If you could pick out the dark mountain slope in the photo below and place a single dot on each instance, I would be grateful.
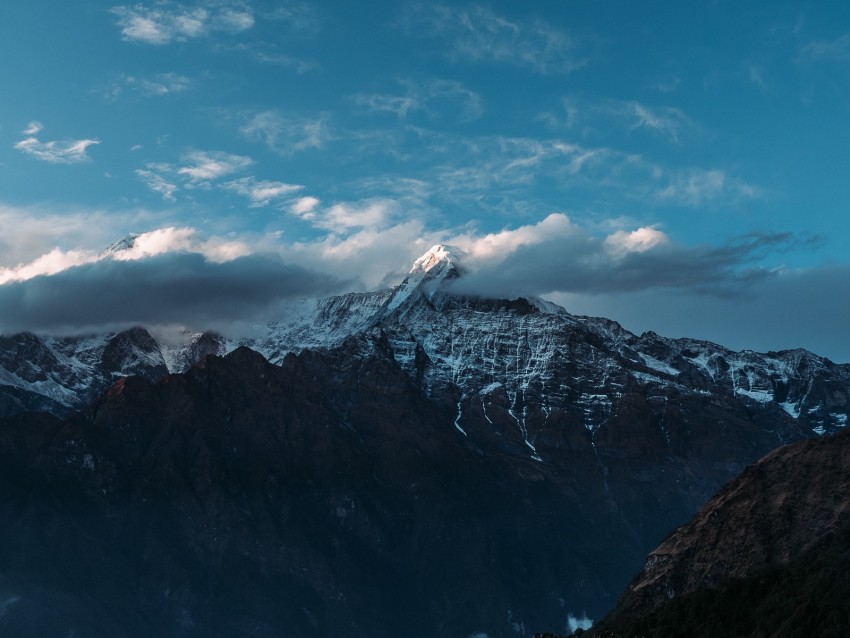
(324, 497)
(768, 556)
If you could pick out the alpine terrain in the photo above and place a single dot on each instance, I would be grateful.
(409, 462)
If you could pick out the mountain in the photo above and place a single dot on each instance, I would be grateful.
(769, 555)
(409, 462)
(511, 350)
(56, 375)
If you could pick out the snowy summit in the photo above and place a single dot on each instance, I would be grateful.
(440, 262)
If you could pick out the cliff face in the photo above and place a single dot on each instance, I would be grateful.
(767, 554)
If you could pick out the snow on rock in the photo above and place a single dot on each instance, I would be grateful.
(522, 357)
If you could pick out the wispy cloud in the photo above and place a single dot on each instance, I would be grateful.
(199, 168)
(665, 121)
(837, 50)
(474, 33)
(435, 98)
(262, 192)
(695, 187)
(54, 152)
(371, 214)
(196, 169)
(157, 85)
(164, 22)
(756, 75)
(288, 135)
(500, 174)
(299, 65)
(270, 54)
(153, 176)
(301, 17)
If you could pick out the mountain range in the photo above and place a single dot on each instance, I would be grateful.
(410, 462)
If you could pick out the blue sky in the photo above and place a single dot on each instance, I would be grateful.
(679, 167)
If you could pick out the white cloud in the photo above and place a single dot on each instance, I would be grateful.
(54, 152)
(206, 169)
(48, 264)
(435, 98)
(376, 258)
(155, 181)
(695, 187)
(372, 213)
(33, 128)
(39, 229)
(261, 192)
(494, 247)
(156, 242)
(288, 135)
(666, 121)
(304, 206)
(621, 243)
(141, 246)
(157, 85)
(396, 104)
(475, 33)
(202, 167)
(166, 22)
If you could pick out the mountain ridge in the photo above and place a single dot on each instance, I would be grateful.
(557, 451)
(809, 389)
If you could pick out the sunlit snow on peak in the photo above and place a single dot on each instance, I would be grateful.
(437, 255)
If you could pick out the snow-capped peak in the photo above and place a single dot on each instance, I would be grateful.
(438, 258)
(123, 244)
(439, 264)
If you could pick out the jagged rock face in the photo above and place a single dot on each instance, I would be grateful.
(56, 375)
(133, 352)
(766, 527)
(322, 497)
(528, 354)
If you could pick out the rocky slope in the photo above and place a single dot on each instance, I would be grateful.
(528, 354)
(505, 413)
(327, 496)
(768, 555)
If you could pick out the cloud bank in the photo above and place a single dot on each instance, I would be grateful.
(167, 276)
(638, 276)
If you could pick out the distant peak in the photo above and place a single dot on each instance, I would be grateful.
(431, 270)
(125, 243)
(439, 258)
